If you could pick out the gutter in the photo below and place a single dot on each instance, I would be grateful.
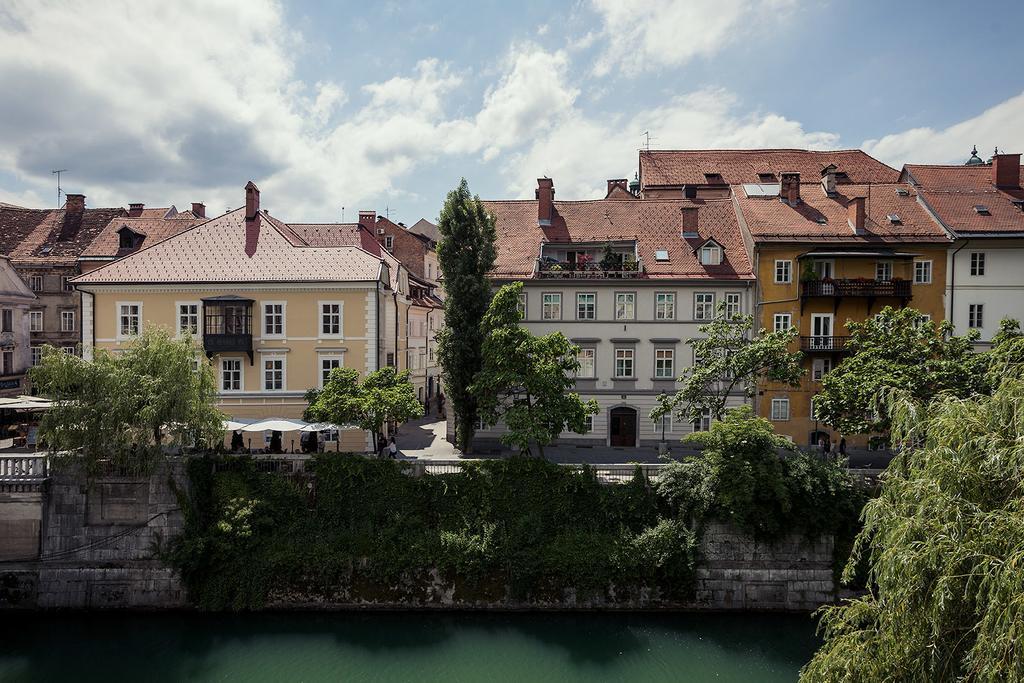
(952, 279)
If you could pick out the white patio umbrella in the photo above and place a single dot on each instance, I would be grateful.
(326, 427)
(26, 403)
(275, 424)
(233, 423)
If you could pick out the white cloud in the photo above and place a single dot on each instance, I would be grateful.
(999, 126)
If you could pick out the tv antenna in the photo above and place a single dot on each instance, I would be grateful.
(343, 214)
(57, 173)
(647, 139)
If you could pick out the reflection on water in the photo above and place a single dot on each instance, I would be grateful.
(402, 646)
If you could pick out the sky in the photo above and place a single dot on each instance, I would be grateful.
(336, 107)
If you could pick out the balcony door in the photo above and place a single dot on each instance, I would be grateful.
(825, 270)
(821, 331)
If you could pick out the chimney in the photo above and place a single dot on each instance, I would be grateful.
(828, 180)
(368, 219)
(617, 182)
(789, 190)
(252, 202)
(199, 209)
(545, 201)
(135, 210)
(74, 203)
(1006, 171)
(855, 213)
(689, 214)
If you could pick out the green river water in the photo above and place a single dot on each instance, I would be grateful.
(415, 646)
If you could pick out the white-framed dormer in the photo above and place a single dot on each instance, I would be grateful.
(188, 315)
(128, 318)
(330, 319)
(231, 375)
(273, 319)
(710, 253)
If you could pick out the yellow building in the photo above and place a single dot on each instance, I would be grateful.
(825, 254)
(275, 306)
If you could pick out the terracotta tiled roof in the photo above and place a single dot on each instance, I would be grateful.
(157, 213)
(108, 243)
(225, 250)
(655, 224)
(672, 168)
(772, 220)
(50, 236)
(953, 192)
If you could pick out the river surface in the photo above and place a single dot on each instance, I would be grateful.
(418, 646)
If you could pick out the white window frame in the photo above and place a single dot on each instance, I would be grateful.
(703, 423)
(521, 306)
(733, 304)
(923, 272)
(819, 368)
(780, 410)
(783, 271)
(591, 352)
(273, 358)
(65, 284)
(627, 301)
(178, 316)
(33, 279)
(284, 320)
(121, 335)
(69, 350)
(36, 355)
(588, 424)
(340, 334)
(665, 364)
(32, 317)
(711, 255)
(664, 305)
(786, 320)
(626, 355)
(883, 271)
(592, 304)
(705, 309)
(977, 264)
(551, 306)
(323, 358)
(976, 316)
(64, 316)
(389, 242)
(241, 374)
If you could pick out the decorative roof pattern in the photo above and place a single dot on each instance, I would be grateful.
(108, 243)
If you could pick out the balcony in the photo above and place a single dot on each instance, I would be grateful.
(823, 344)
(863, 288)
(227, 325)
(589, 270)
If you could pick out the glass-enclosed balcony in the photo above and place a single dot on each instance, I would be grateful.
(227, 325)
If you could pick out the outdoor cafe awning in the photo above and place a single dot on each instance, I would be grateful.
(281, 424)
(25, 403)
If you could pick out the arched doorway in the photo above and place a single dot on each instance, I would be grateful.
(622, 426)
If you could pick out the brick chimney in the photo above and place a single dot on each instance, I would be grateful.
(74, 203)
(789, 190)
(617, 182)
(545, 201)
(199, 209)
(368, 219)
(856, 214)
(1006, 171)
(689, 222)
(828, 180)
(252, 202)
(135, 210)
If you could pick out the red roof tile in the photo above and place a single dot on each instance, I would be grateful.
(953, 192)
(50, 236)
(108, 243)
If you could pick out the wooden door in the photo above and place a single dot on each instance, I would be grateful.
(622, 427)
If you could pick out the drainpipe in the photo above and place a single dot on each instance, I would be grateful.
(380, 346)
(952, 279)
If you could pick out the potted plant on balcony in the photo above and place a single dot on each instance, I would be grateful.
(808, 273)
(584, 262)
(629, 264)
(609, 259)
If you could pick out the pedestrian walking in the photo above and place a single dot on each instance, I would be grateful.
(392, 448)
(842, 447)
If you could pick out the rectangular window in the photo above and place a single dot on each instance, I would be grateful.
(922, 272)
(977, 263)
(586, 306)
(625, 305)
(587, 358)
(783, 271)
(703, 423)
(665, 306)
(522, 305)
(976, 316)
(188, 318)
(37, 354)
(883, 271)
(389, 242)
(664, 425)
(65, 284)
(732, 305)
(273, 319)
(67, 321)
(820, 367)
(35, 283)
(69, 350)
(624, 362)
(273, 374)
(551, 306)
(7, 320)
(710, 255)
(129, 319)
(664, 364)
(783, 321)
(327, 365)
(703, 306)
(8, 361)
(35, 321)
(588, 424)
(780, 409)
(330, 319)
(231, 374)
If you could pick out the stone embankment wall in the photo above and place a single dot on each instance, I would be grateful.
(96, 545)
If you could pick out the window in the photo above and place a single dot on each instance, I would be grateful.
(37, 354)
(975, 316)
(65, 284)
(35, 283)
(430, 271)
(67, 321)
(330, 318)
(664, 364)
(922, 272)
(820, 367)
(587, 358)
(780, 409)
(625, 305)
(732, 305)
(710, 255)
(35, 321)
(783, 271)
(7, 320)
(231, 374)
(783, 321)
(883, 271)
(389, 242)
(665, 306)
(521, 306)
(273, 319)
(273, 374)
(624, 362)
(977, 263)
(8, 361)
(129, 319)
(703, 306)
(703, 423)
(551, 306)
(69, 350)
(664, 425)
(588, 424)
(586, 306)
(188, 318)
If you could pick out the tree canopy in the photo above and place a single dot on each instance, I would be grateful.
(385, 395)
(897, 348)
(465, 254)
(526, 381)
(157, 393)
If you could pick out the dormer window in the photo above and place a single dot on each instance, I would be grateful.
(128, 239)
(711, 254)
(982, 210)
(767, 178)
(714, 179)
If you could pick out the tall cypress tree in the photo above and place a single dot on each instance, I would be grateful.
(466, 253)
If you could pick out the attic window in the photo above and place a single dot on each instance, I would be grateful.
(766, 178)
(902, 192)
(128, 239)
(661, 255)
(45, 250)
(1019, 203)
(982, 210)
(710, 254)
(894, 218)
(821, 220)
(714, 178)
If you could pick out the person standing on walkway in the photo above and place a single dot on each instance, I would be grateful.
(392, 448)
(382, 446)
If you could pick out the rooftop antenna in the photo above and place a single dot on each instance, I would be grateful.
(647, 140)
(57, 173)
(343, 214)
(387, 212)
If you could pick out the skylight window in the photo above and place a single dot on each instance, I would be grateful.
(902, 192)
(894, 218)
(661, 255)
(982, 210)
(821, 220)
(761, 191)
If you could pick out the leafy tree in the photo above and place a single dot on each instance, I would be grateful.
(465, 254)
(126, 408)
(898, 348)
(385, 395)
(526, 380)
(727, 360)
(944, 543)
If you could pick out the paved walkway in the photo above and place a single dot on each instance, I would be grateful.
(423, 439)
